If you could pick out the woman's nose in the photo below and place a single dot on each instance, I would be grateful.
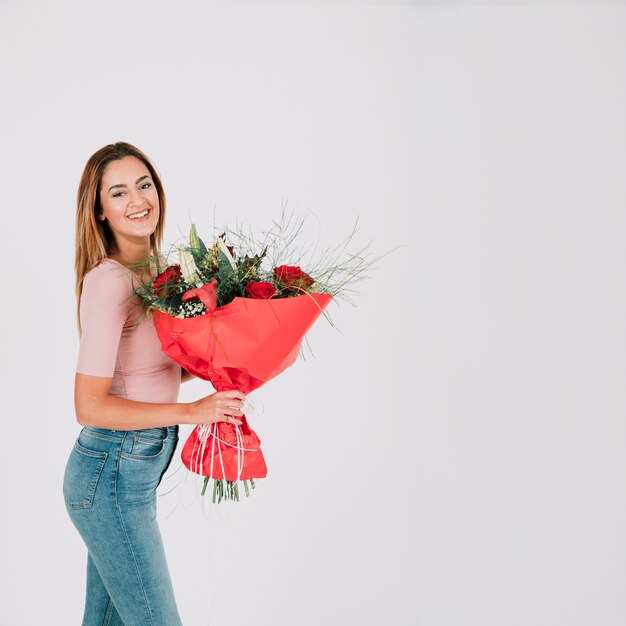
(134, 198)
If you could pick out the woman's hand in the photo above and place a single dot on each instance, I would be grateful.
(221, 406)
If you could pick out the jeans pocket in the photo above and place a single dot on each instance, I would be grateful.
(81, 476)
(145, 447)
(138, 476)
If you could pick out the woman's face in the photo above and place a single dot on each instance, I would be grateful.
(129, 200)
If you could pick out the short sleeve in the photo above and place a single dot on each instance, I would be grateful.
(104, 307)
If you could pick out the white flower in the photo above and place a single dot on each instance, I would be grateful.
(223, 248)
(188, 268)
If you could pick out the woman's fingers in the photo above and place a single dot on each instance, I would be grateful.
(233, 410)
(232, 405)
(233, 393)
(223, 406)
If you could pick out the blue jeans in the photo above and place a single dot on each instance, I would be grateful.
(110, 487)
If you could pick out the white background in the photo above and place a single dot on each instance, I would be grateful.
(456, 456)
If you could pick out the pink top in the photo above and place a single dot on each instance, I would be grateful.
(114, 344)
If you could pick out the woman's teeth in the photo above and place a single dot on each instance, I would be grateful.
(136, 216)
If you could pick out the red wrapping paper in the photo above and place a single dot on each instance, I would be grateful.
(241, 345)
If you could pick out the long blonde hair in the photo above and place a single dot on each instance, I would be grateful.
(94, 238)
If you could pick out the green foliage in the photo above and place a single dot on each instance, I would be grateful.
(248, 268)
(225, 269)
(229, 288)
(226, 489)
(196, 246)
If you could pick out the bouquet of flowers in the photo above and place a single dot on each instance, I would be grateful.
(236, 321)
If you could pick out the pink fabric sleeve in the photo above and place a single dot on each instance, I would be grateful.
(104, 306)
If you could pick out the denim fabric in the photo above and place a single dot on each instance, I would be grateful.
(110, 487)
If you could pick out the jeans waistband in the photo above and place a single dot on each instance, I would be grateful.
(162, 431)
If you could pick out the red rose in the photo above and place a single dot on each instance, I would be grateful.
(260, 290)
(292, 277)
(166, 280)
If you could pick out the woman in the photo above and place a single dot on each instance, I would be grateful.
(125, 395)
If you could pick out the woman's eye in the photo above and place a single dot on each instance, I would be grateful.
(146, 185)
(118, 194)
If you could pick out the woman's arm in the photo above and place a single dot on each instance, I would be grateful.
(96, 407)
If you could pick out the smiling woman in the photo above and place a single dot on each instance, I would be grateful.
(125, 395)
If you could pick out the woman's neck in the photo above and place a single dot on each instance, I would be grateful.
(131, 253)
(135, 256)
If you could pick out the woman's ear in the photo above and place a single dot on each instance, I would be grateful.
(100, 216)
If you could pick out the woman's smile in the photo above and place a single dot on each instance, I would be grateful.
(140, 216)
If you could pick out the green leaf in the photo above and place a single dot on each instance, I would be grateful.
(225, 268)
(196, 245)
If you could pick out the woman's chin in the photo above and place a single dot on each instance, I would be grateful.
(144, 227)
